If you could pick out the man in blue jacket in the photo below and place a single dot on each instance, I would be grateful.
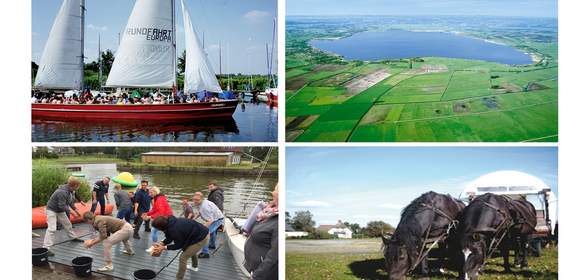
(181, 233)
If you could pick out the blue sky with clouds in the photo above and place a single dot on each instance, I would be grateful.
(245, 25)
(360, 184)
(528, 8)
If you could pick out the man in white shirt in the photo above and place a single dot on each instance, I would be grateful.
(213, 218)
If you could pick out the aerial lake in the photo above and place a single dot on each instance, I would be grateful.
(396, 44)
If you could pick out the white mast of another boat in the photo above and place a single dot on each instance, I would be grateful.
(100, 63)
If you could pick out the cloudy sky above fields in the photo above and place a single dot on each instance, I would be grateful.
(369, 183)
(528, 8)
(245, 25)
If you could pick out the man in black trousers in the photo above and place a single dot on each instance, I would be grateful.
(142, 205)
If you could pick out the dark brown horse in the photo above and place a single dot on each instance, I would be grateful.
(492, 222)
(426, 221)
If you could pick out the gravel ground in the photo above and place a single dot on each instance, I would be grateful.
(357, 246)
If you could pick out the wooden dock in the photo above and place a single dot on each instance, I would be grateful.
(220, 265)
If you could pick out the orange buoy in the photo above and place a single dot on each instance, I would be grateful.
(39, 214)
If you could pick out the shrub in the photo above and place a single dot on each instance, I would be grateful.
(46, 177)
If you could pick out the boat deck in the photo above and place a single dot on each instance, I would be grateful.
(220, 265)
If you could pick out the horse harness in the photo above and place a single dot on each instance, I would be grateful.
(424, 253)
(501, 230)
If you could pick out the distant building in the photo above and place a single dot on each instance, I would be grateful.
(62, 151)
(291, 232)
(339, 230)
(192, 158)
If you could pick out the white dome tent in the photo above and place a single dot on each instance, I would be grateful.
(513, 183)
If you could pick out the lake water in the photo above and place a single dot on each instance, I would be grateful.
(250, 123)
(396, 44)
(240, 193)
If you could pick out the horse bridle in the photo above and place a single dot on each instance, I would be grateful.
(452, 224)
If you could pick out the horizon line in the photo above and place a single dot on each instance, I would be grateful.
(418, 15)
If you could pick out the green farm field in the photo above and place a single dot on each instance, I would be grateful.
(427, 99)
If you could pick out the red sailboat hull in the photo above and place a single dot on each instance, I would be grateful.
(140, 112)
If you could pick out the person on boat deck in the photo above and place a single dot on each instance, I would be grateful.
(160, 208)
(100, 193)
(123, 202)
(258, 213)
(56, 207)
(213, 218)
(187, 210)
(261, 247)
(185, 234)
(141, 206)
(216, 195)
(111, 231)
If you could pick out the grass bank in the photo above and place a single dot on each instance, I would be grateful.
(245, 169)
(83, 159)
(47, 176)
(371, 266)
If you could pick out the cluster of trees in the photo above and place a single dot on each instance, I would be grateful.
(43, 152)
(304, 221)
(236, 81)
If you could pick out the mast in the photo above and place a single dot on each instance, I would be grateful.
(174, 46)
(82, 44)
(272, 55)
(100, 63)
(220, 58)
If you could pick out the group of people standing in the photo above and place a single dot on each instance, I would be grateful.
(149, 207)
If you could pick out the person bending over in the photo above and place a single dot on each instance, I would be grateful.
(111, 231)
(181, 233)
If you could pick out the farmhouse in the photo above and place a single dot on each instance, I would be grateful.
(339, 230)
(192, 158)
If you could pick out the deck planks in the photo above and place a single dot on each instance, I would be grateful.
(220, 265)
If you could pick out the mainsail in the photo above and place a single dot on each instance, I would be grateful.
(199, 75)
(61, 65)
(146, 56)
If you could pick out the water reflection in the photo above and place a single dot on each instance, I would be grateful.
(241, 194)
(249, 123)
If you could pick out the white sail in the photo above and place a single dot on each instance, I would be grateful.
(146, 56)
(61, 64)
(199, 74)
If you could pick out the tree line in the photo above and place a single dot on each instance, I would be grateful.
(304, 221)
(237, 82)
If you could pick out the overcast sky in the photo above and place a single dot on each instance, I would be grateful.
(375, 183)
(526, 8)
(245, 25)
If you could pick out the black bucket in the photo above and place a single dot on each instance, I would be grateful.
(82, 266)
(144, 274)
(39, 256)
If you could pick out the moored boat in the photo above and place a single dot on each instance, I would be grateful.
(175, 112)
(236, 241)
(146, 58)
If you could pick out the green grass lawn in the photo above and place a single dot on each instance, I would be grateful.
(370, 266)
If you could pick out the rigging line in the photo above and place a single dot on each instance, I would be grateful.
(259, 177)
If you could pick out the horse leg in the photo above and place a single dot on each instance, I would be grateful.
(524, 251)
(505, 250)
(424, 267)
(517, 252)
